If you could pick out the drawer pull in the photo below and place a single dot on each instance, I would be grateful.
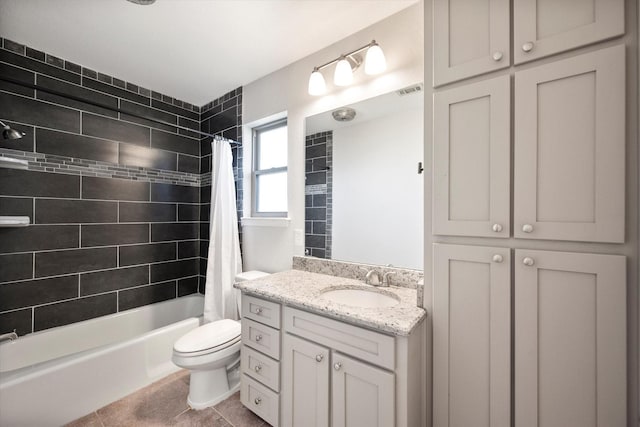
(527, 228)
(497, 56)
(259, 310)
(337, 366)
(257, 400)
(319, 357)
(257, 368)
(528, 261)
(497, 258)
(527, 47)
(497, 228)
(258, 338)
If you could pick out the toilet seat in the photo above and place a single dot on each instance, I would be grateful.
(208, 338)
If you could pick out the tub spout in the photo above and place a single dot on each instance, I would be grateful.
(10, 336)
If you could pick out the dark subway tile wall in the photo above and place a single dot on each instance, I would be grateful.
(114, 200)
(318, 194)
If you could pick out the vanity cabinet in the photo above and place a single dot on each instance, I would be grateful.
(469, 38)
(569, 312)
(542, 28)
(569, 155)
(325, 372)
(472, 159)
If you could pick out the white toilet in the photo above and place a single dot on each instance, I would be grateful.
(212, 353)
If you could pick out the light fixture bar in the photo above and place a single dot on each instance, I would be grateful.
(353, 52)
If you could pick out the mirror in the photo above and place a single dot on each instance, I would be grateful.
(363, 189)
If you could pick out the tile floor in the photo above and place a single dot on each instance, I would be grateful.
(164, 403)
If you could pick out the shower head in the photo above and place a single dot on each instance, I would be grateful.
(8, 133)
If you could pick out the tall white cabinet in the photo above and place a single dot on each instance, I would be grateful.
(529, 337)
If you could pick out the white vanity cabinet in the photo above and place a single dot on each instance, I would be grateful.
(325, 372)
(569, 312)
(470, 37)
(543, 27)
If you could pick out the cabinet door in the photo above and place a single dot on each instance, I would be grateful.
(569, 161)
(305, 383)
(470, 37)
(570, 339)
(546, 27)
(361, 394)
(471, 336)
(471, 159)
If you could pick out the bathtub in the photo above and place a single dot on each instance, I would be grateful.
(52, 377)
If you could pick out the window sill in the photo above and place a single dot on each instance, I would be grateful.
(265, 222)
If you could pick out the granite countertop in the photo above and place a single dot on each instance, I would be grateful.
(302, 289)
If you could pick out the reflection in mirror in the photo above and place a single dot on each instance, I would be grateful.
(363, 190)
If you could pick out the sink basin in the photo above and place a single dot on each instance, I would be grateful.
(360, 298)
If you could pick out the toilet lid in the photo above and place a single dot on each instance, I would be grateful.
(210, 335)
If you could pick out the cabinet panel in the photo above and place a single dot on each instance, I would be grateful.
(260, 367)
(362, 343)
(471, 336)
(546, 27)
(471, 159)
(261, 400)
(569, 161)
(470, 37)
(362, 395)
(262, 311)
(570, 347)
(305, 378)
(261, 337)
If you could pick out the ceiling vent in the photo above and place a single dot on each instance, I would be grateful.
(410, 89)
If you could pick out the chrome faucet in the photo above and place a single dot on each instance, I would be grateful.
(373, 277)
(11, 336)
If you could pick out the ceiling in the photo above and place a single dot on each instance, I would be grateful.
(192, 50)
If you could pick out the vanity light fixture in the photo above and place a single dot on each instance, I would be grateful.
(374, 63)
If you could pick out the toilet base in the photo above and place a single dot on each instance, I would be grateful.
(208, 388)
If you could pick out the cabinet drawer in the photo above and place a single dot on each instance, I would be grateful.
(261, 368)
(262, 311)
(260, 400)
(362, 343)
(261, 338)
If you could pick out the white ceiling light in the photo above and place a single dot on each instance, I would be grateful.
(317, 86)
(375, 63)
(343, 75)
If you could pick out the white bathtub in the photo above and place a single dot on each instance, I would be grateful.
(52, 377)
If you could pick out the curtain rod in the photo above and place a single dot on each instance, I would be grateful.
(107, 107)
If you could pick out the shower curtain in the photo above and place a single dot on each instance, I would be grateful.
(221, 300)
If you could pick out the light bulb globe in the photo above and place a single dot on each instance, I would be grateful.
(375, 62)
(317, 85)
(343, 75)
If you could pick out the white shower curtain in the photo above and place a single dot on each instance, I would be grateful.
(221, 300)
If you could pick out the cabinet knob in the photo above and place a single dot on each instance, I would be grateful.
(257, 368)
(319, 357)
(337, 366)
(258, 338)
(527, 228)
(497, 56)
(527, 47)
(497, 258)
(497, 227)
(528, 261)
(257, 400)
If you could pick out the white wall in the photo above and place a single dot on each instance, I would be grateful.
(377, 192)
(285, 91)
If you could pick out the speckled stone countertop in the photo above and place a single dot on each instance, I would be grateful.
(302, 289)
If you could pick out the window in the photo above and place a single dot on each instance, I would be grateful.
(270, 169)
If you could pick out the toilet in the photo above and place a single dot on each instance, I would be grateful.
(212, 353)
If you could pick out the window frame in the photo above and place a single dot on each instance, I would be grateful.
(256, 173)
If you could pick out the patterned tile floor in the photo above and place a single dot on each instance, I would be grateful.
(164, 403)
